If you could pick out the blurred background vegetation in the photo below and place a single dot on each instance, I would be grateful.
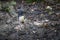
(4, 4)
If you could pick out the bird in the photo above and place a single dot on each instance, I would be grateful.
(21, 17)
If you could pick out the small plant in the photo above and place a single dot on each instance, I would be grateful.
(6, 9)
(5, 6)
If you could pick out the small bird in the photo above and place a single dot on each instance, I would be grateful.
(21, 17)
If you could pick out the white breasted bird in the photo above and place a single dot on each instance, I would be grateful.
(21, 17)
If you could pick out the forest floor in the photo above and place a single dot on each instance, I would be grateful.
(50, 30)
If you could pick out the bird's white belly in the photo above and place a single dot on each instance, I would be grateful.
(21, 18)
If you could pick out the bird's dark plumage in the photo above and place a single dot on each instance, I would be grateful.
(20, 13)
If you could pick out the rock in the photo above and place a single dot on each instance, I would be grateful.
(9, 20)
(13, 36)
(38, 23)
(48, 7)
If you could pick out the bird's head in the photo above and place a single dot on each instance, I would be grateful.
(20, 12)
